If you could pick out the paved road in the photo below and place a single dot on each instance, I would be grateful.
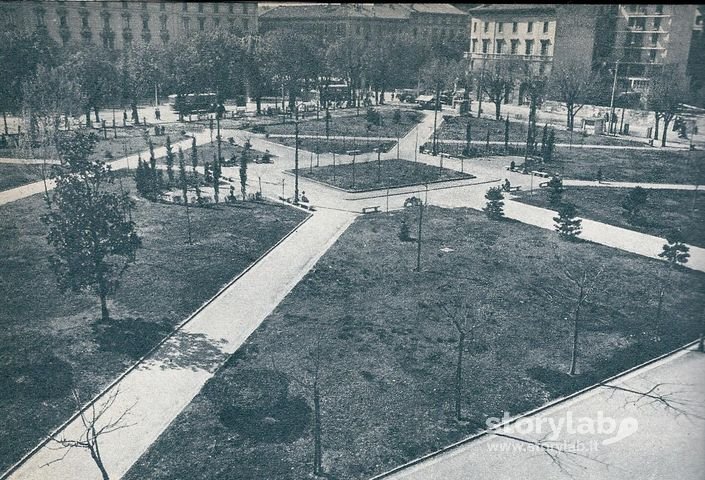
(164, 384)
(663, 444)
(654, 186)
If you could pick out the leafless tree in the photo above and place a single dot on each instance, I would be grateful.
(665, 96)
(466, 318)
(574, 85)
(310, 382)
(498, 82)
(584, 285)
(93, 428)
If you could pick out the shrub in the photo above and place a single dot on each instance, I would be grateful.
(404, 232)
(495, 206)
(633, 203)
(567, 226)
(555, 192)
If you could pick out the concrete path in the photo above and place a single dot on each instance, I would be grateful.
(656, 442)
(167, 381)
(654, 186)
(24, 191)
(28, 161)
(574, 145)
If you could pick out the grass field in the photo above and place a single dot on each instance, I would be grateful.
(665, 209)
(51, 341)
(388, 353)
(387, 173)
(14, 174)
(651, 166)
(454, 128)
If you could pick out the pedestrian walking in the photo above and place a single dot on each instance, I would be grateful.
(157, 114)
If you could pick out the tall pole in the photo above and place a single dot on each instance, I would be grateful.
(416, 144)
(418, 240)
(614, 89)
(296, 157)
(479, 90)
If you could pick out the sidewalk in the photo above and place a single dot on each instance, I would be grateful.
(168, 379)
(659, 442)
(7, 196)
(654, 186)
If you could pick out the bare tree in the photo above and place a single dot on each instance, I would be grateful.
(310, 382)
(498, 82)
(665, 97)
(585, 284)
(574, 85)
(93, 428)
(466, 318)
(437, 74)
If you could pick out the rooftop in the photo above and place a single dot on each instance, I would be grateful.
(512, 7)
(400, 11)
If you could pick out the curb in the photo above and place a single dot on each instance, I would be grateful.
(430, 189)
(548, 405)
(144, 357)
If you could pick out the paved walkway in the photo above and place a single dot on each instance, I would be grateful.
(167, 381)
(7, 196)
(654, 186)
(660, 443)
(28, 161)
(574, 145)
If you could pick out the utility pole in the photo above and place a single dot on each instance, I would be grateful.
(614, 88)
(296, 156)
(418, 240)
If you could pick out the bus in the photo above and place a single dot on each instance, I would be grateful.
(194, 103)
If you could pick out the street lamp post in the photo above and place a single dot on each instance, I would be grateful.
(416, 144)
(614, 88)
(218, 115)
(354, 154)
(296, 155)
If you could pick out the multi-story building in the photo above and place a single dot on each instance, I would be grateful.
(643, 38)
(422, 20)
(117, 25)
(523, 32)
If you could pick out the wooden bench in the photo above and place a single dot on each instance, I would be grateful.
(514, 189)
(541, 174)
(374, 209)
(543, 184)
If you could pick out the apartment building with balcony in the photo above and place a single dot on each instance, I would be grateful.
(119, 24)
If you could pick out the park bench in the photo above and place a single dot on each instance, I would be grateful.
(374, 209)
(514, 189)
(541, 174)
(543, 184)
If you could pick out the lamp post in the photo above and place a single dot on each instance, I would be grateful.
(354, 154)
(220, 109)
(296, 155)
(614, 88)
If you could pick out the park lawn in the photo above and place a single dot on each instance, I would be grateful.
(665, 209)
(51, 341)
(338, 146)
(208, 152)
(353, 125)
(16, 174)
(454, 128)
(390, 173)
(648, 166)
(387, 359)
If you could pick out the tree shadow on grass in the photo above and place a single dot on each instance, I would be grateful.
(185, 350)
(129, 336)
(256, 404)
(44, 377)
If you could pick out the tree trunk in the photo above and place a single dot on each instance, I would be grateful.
(4, 118)
(576, 322)
(135, 114)
(258, 101)
(569, 123)
(665, 131)
(459, 376)
(95, 454)
(88, 118)
(658, 120)
(95, 110)
(435, 120)
(317, 447)
(659, 308)
(497, 108)
(418, 241)
(104, 305)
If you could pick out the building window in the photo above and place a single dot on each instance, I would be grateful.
(542, 69)
(40, 17)
(245, 24)
(500, 26)
(654, 39)
(244, 8)
(163, 21)
(485, 45)
(201, 24)
(529, 47)
(184, 7)
(84, 21)
(498, 46)
(162, 6)
(216, 22)
(659, 9)
(530, 27)
(515, 47)
(187, 25)
(474, 27)
(545, 27)
(652, 55)
(544, 47)
(231, 8)
(474, 45)
(216, 8)
(200, 8)
(124, 5)
(144, 5)
(487, 26)
(145, 23)
(62, 21)
(515, 27)
(657, 23)
(106, 21)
